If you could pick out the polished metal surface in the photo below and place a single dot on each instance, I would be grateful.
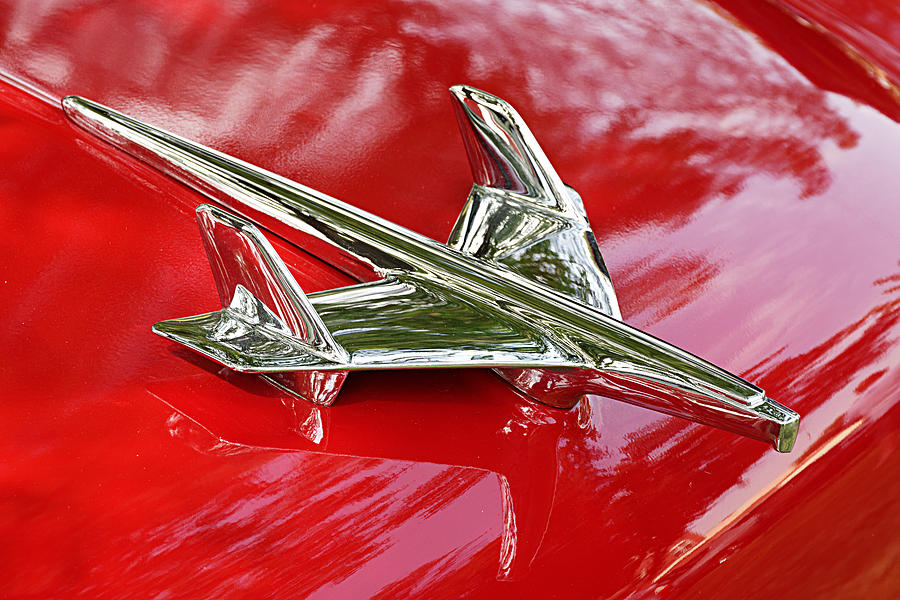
(521, 287)
(519, 213)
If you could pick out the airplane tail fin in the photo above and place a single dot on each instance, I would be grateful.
(240, 255)
(504, 154)
(266, 321)
(519, 213)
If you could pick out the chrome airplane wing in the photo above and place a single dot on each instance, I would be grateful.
(520, 287)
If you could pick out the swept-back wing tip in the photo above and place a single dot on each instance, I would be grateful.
(245, 336)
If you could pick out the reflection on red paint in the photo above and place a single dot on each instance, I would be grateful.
(742, 190)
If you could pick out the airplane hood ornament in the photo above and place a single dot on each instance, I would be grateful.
(520, 286)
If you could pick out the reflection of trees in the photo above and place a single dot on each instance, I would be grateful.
(832, 365)
(827, 60)
(650, 111)
(516, 441)
(667, 284)
(647, 474)
(259, 514)
(868, 25)
(653, 118)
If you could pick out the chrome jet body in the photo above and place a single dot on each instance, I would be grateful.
(520, 286)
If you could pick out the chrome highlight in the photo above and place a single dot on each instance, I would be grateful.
(484, 300)
(519, 213)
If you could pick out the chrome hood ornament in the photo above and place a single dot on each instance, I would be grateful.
(520, 286)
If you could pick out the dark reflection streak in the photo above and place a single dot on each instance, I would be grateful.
(860, 344)
(856, 349)
(519, 445)
(710, 66)
(259, 510)
(632, 482)
(828, 61)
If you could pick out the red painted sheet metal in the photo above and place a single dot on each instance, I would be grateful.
(745, 198)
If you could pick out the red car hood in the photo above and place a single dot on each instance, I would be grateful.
(738, 166)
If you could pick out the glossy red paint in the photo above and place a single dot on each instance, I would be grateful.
(744, 194)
